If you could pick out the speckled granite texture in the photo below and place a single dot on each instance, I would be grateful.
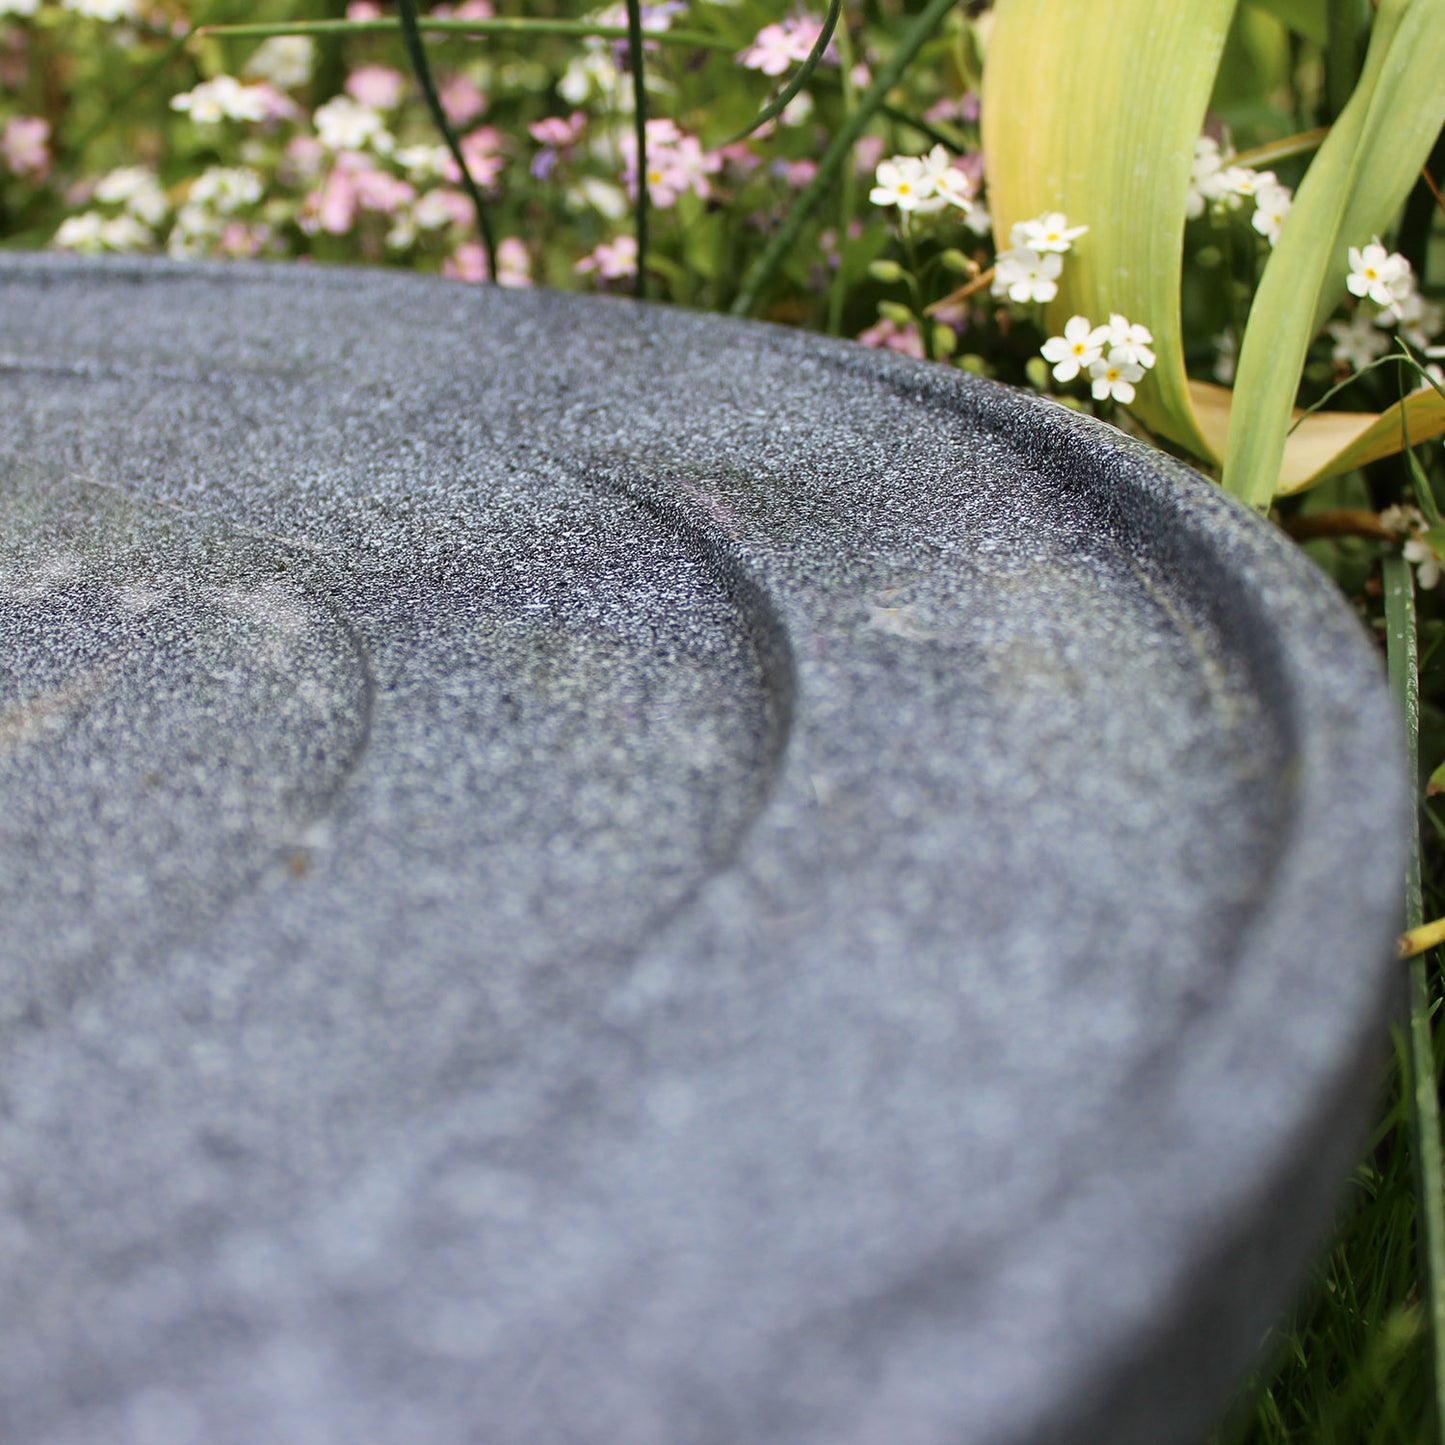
(573, 872)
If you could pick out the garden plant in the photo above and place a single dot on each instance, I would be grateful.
(1216, 224)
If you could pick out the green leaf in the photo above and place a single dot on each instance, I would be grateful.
(1358, 181)
(1306, 17)
(1098, 118)
(1421, 1079)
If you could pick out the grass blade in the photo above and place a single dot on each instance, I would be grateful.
(808, 200)
(416, 50)
(1421, 1081)
(638, 66)
(805, 71)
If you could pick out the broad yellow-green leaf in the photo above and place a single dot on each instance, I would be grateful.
(1353, 188)
(1309, 18)
(1092, 107)
(1327, 442)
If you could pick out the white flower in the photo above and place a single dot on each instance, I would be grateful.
(343, 125)
(902, 182)
(1433, 379)
(125, 233)
(1115, 376)
(137, 190)
(81, 233)
(1380, 276)
(1050, 232)
(195, 228)
(423, 162)
(1239, 183)
(285, 60)
(947, 185)
(1419, 317)
(1081, 345)
(1427, 564)
(1401, 521)
(223, 98)
(107, 10)
(593, 193)
(1206, 177)
(227, 188)
(978, 220)
(1024, 275)
(1357, 341)
(1130, 342)
(1272, 204)
(1226, 355)
(589, 75)
(90, 231)
(19, 8)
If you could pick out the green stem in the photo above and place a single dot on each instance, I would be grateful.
(812, 194)
(779, 103)
(1421, 1079)
(637, 64)
(848, 197)
(498, 25)
(416, 50)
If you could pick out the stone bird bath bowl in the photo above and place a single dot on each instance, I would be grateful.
(577, 872)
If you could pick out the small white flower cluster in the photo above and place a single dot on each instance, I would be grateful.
(1115, 356)
(924, 185)
(107, 11)
(1029, 270)
(343, 124)
(285, 60)
(143, 207)
(1408, 523)
(223, 98)
(1215, 183)
(1386, 280)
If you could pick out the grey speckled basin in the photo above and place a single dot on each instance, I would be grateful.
(573, 872)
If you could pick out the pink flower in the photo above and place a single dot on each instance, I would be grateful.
(363, 10)
(467, 10)
(378, 190)
(676, 164)
(243, 239)
(889, 336)
(24, 145)
(442, 207)
(461, 100)
(482, 153)
(302, 160)
(377, 86)
(469, 263)
(867, 153)
(555, 131)
(331, 208)
(612, 260)
(799, 173)
(777, 48)
(963, 108)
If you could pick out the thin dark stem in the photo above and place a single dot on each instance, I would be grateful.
(780, 102)
(913, 41)
(416, 50)
(638, 65)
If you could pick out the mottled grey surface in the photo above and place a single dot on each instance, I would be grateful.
(579, 873)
